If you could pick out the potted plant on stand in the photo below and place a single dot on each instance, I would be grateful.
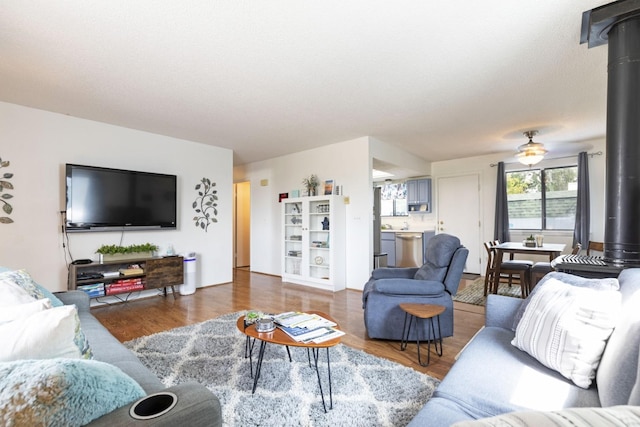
(311, 183)
(116, 253)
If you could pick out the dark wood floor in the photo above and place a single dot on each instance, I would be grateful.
(267, 293)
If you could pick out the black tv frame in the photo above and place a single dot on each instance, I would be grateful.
(73, 226)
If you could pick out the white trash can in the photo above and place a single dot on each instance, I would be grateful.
(190, 264)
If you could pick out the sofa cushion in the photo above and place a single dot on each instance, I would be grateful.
(46, 334)
(26, 282)
(11, 294)
(566, 327)
(10, 313)
(492, 377)
(62, 392)
(438, 256)
(617, 416)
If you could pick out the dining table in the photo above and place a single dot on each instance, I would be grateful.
(553, 250)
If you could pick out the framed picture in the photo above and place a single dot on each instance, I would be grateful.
(328, 187)
(283, 196)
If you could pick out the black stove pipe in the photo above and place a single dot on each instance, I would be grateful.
(622, 223)
(618, 24)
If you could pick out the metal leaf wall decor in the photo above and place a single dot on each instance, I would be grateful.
(4, 196)
(206, 204)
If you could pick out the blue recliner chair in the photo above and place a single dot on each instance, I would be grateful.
(433, 283)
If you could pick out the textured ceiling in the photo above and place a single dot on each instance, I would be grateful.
(440, 79)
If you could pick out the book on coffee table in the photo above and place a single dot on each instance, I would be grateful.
(305, 327)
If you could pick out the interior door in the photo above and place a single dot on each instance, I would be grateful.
(242, 224)
(458, 210)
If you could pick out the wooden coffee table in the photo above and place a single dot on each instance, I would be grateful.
(278, 337)
(425, 312)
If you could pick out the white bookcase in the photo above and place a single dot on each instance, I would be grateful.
(313, 235)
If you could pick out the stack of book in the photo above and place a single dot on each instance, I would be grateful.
(93, 290)
(131, 271)
(125, 285)
(307, 328)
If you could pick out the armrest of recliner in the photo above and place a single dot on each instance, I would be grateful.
(388, 273)
(408, 287)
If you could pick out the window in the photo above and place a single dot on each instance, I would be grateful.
(394, 200)
(542, 199)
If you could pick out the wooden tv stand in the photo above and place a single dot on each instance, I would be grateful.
(158, 272)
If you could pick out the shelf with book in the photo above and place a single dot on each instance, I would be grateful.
(118, 277)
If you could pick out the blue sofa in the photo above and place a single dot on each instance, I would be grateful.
(433, 283)
(492, 377)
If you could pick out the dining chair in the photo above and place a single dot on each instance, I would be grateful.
(491, 267)
(595, 246)
(488, 275)
(540, 269)
(509, 270)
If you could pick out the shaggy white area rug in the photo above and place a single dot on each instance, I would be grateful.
(367, 390)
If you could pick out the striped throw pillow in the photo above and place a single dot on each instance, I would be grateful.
(566, 327)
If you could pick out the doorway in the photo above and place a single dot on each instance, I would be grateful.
(459, 214)
(242, 225)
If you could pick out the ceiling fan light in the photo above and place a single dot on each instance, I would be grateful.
(531, 153)
(529, 158)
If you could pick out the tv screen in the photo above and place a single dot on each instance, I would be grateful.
(103, 199)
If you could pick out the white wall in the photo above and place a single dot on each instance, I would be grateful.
(348, 164)
(39, 143)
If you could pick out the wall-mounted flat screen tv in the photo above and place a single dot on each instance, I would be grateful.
(104, 199)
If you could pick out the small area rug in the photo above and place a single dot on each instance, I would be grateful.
(367, 390)
(473, 293)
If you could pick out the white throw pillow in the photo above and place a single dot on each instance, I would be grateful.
(566, 327)
(12, 294)
(20, 311)
(43, 335)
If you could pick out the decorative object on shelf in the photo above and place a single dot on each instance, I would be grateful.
(531, 153)
(323, 208)
(319, 260)
(311, 184)
(282, 196)
(295, 208)
(539, 240)
(296, 220)
(206, 204)
(115, 252)
(325, 223)
(328, 187)
(5, 185)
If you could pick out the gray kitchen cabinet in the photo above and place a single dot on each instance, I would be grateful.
(388, 246)
(419, 195)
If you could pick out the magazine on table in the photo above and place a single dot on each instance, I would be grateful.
(304, 327)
